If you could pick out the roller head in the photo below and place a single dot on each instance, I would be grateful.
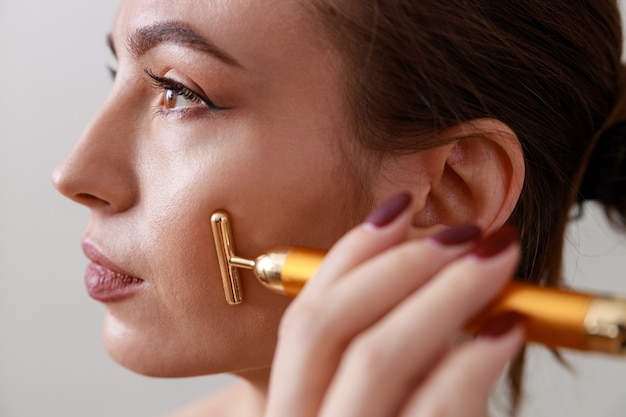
(222, 235)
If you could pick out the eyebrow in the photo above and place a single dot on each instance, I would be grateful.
(149, 37)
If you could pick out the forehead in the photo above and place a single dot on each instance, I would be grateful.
(218, 14)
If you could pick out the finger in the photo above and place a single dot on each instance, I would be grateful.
(317, 331)
(461, 385)
(384, 227)
(312, 332)
(290, 394)
(406, 341)
(382, 282)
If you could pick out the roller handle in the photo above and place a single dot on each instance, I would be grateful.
(553, 317)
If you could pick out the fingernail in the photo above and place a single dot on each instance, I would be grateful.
(389, 210)
(496, 242)
(457, 235)
(500, 325)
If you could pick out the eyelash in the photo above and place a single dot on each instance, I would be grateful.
(164, 83)
(112, 72)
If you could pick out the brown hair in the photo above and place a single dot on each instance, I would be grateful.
(550, 70)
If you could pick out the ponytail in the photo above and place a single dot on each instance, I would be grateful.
(604, 177)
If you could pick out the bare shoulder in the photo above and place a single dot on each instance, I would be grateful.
(218, 404)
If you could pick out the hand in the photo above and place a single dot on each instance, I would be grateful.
(372, 333)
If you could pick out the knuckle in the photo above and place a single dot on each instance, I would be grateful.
(462, 284)
(411, 255)
(427, 406)
(305, 320)
(367, 356)
(465, 285)
(436, 409)
(405, 254)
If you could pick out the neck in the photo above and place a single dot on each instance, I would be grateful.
(254, 387)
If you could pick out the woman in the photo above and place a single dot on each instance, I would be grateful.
(299, 119)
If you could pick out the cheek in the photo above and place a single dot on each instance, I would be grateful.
(184, 311)
(277, 194)
(178, 239)
(291, 190)
(287, 189)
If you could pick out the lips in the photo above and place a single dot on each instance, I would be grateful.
(105, 281)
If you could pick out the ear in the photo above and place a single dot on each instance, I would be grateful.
(476, 177)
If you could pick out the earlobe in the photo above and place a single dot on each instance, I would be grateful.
(477, 177)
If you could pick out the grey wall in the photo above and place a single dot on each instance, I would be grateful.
(52, 79)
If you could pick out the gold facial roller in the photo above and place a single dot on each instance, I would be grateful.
(555, 318)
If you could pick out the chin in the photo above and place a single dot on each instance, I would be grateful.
(156, 362)
(171, 355)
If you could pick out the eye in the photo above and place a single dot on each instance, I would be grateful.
(176, 96)
(172, 99)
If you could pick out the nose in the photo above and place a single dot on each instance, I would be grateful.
(98, 172)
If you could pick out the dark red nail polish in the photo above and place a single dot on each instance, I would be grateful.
(496, 242)
(500, 325)
(457, 235)
(389, 210)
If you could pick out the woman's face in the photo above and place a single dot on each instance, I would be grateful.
(217, 104)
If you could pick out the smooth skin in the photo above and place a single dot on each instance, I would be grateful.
(396, 352)
(276, 152)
